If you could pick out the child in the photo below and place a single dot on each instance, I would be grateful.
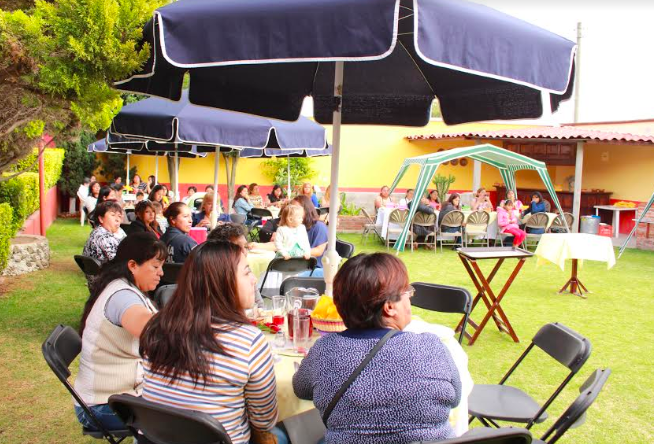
(291, 239)
(161, 220)
(508, 222)
(140, 196)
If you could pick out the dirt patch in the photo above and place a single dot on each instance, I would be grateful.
(11, 283)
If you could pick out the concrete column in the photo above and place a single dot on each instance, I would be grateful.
(576, 200)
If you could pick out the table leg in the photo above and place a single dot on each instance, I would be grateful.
(616, 224)
(504, 324)
(576, 286)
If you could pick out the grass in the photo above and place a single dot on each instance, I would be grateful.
(616, 317)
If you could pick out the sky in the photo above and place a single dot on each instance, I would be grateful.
(617, 54)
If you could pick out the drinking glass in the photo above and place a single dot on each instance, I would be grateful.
(302, 329)
(279, 310)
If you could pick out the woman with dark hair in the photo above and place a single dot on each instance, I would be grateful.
(537, 205)
(433, 200)
(276, 196)
(316, 230)
(92, 199)
(137, 184)
(103, 242)
(242, 203)
(146, 219)
(383, 199)
(176, 236)
(254, 196)
(157, 194)
(201, 352)
(107, 193)
(165, 200)
(407, 390)
(114, 317)
(453, 203)
(152, 181)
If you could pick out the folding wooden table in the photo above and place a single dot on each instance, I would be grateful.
(469, 258)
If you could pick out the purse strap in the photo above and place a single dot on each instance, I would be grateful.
(341, 391)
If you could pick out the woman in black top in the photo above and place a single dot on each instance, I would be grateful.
(146, 219)
(176, 236)
(276, 196)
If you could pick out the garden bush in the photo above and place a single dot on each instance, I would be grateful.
(22, 194)
(6, 232)
(53, 162)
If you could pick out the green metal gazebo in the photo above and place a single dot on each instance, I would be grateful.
(507, 162)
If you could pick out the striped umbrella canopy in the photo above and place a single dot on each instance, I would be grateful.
(507, 162)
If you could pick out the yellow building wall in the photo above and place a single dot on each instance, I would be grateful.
(370, 157)
(626, 170)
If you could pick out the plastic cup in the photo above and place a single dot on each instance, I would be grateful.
(302, 331)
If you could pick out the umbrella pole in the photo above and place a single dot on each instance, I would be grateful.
(156, 169)
(127, 175)
(216, 209)
(176, 197)
(288, 175)
(331, 259)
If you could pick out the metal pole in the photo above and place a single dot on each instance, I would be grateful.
(288, 174)
(42, 189)
(331, 259)
(578, 72)
(176, 198)
(127, 175)
(216, 210)
(576, 198)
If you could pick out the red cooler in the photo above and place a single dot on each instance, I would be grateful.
(605, 230)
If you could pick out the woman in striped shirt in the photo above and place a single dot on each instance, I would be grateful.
(200, 351)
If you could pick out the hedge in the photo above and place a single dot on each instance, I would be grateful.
(53, 162)
(22, 193)
(6, 233)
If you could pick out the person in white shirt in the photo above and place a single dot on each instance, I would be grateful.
(292, 239)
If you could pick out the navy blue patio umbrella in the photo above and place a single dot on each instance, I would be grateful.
(264, 57)
(180, 127)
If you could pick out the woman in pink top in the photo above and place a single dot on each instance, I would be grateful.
(508, 222)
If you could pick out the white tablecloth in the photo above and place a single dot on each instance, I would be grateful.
(557, 247)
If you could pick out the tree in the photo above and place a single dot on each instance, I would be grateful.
(277, 171)
(436, 110)
(78, 165)
(57, 62)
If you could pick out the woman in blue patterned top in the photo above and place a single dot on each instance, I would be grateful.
(407, 390)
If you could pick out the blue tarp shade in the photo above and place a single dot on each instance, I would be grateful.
(263, 57)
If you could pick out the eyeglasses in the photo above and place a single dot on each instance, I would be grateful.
(409, 292)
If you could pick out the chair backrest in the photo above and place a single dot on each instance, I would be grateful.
(558, 222)
(344, 249)
(537, 220)
(452, 219)
(89, 265)
(441, 298)
(171, 272)
(369, 218)
(131, 216)
(575, 415)
(163, 424)
(322, 210)
(238, 218)
(260, 213)
(478, 218)
(306, 282)
(126, 227)
(163, 294)
(398, 216)
(485, 435)
(565, 345)
(197, 204)
(292, 265)
(444, 299)
(548, 205)
(424, 219)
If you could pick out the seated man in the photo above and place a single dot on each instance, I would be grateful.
(421, 231)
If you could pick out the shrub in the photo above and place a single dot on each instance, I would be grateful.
(348, 209)
(6, 233)
(277, 170)
(53, 162)
(22, 194)
(79, 164)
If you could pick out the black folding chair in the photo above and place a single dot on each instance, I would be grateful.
(126, 227)
(59, 350)
(171, 272)
(293, 265)
(90, 266)
(483, 435)
(444, 299)
(238, 218)
(489, 403)
(306, 282)
(344, 249)
(322, 211)
(162, 424)
(575, 415)
(163, 294)
(257, 214)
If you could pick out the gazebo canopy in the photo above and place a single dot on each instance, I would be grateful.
(507, 162)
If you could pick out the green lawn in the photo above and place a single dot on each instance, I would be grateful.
(616, 317)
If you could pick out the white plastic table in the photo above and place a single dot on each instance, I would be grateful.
(616, 215)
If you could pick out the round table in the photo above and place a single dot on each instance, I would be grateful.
(258, 261)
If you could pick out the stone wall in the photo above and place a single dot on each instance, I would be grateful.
(27, 253)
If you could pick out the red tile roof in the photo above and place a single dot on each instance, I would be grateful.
(557, 133)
